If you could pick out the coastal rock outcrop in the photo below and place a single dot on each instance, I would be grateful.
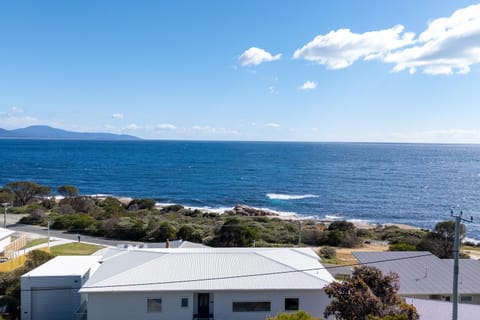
(244, 210)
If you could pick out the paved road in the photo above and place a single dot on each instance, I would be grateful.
(12, 224)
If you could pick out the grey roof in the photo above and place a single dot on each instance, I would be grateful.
(422, 273)
(208, 269)
(442, 310)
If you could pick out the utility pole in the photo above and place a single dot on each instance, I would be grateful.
(48, 228)
(456, 250)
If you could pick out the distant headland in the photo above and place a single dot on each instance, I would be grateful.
(46, 132)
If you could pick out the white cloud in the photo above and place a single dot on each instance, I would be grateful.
(272, 125)
(118, 116)
(132, 127)
(14, 118)
(255, 56)
(214, 130)
(165, 126)
(272, 90)
(309, 85)
(449, 45)
(341, 48)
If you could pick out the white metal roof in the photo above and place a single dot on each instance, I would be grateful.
(421, 272)
(5, 233)
(65, 266)
(209, 269)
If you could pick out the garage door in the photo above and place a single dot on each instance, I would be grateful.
(52, 304)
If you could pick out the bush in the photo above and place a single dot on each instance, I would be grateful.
(300, 315)
(163, 232)
(78, 204)
(341, 226)
(328, 253)
(394, 235)
(402, 247)
(36, 217)
(141, 204)
(189, 233)
(172, 208)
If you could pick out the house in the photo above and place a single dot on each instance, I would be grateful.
(168, 244)
(50, 292)
(208, 283)
(5, 238)
(423, 275)
(442, 310)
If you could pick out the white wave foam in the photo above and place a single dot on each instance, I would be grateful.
(476, 241)
(280, 213)
(281, 196)
(219, 210)
(334, 216)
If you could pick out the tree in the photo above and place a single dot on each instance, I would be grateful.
(68, 191)
(6, 196)
(234, 233)
(368, 293)
(25, 191)
(441, 240)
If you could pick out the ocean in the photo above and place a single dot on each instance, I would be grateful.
(415, 184)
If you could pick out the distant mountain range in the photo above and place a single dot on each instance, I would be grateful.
(46, 132)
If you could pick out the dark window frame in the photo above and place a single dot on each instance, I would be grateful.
(154, 305)
(251, 306)
(292, 304)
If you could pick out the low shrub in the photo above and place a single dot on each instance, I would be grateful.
(328, 253)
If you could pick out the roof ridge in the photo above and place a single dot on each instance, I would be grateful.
(295, 269)
(127, 269)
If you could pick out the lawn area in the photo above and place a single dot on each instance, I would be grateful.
(35, 242)
(74, 249)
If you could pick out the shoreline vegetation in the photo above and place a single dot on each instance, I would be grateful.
(242, 226)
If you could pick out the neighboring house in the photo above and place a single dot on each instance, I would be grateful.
(423, 275)
(168, 244)
(210, 283)
(50, 292)
(442, 310)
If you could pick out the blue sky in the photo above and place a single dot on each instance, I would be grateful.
(393, 71)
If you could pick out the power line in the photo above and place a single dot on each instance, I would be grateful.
(243, 275)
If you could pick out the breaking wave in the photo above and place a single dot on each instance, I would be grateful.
(280, 196)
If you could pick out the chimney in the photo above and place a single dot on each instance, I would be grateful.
(167, 244)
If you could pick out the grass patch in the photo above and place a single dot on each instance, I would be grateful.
(35, 242)
(74, 249)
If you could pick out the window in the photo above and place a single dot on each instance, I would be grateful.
(154, 305)
(251, 306)
(184, 303)
(466, 298)
(291, 304)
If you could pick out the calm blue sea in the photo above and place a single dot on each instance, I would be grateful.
(416, 184)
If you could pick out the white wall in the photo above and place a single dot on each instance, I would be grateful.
(102, 306)
(120, 306)
(314, 302)
(50, 298)
(4, 242)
